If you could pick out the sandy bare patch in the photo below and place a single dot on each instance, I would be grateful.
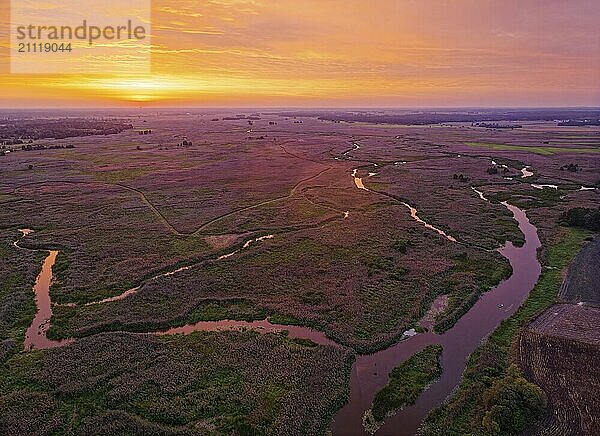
(218, 242)
(438, 306)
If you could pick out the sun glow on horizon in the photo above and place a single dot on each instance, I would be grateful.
(164, 86)
(288, 53)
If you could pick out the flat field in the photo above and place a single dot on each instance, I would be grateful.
(560, 352)
(581, 284)
(207, 218)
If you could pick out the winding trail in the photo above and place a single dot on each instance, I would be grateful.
(154, 209)
(208, 223)
(266, 202)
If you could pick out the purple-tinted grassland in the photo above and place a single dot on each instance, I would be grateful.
(202, 383)
(126, 207)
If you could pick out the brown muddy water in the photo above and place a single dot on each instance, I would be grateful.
(358, 180)
(370, 372)
(35, 336)
(262, 326)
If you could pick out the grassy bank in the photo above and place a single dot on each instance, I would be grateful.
(18, 270)
(544, 151)
(202, 383)
(406, 383)
(480, 405)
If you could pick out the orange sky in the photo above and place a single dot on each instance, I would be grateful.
(377, 53)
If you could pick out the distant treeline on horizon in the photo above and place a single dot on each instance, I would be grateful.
(577, 117)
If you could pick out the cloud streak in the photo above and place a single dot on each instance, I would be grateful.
(354, 53)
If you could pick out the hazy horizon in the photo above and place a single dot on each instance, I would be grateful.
(254, 53)
(301, 108)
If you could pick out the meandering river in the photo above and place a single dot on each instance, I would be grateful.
(35, 336)
(370, 372)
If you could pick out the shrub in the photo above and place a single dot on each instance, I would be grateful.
(583, 217)
(512, 404)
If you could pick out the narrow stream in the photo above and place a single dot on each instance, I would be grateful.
(544, 186)
(413, 212)
(356, 147)
(262, 326)
(370, 372)
(481, 195)
(35, 336)
(135, 290)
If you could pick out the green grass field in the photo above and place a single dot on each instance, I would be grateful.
(545, 151)
(203, 383)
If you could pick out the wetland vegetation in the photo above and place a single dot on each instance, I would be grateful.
(153, 235)
(406, 382)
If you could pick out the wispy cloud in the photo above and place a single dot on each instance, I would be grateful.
(381, 52)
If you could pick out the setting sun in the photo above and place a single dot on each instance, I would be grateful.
(299, 217)
(409, 53)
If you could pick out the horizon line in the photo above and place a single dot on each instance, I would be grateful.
(307, 108)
